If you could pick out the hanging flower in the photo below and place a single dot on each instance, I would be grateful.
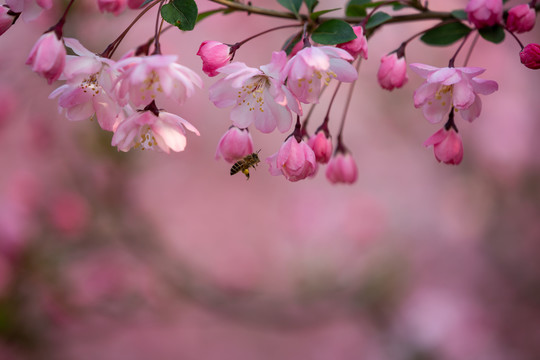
(356, 47)
(521, 18)
(30, 9)
(214, 55)
(392, 72)
(234, 144)
(48, 56)
(342, 169)
(530, 56)
(447, 146)
(484, 13)
(295, 160)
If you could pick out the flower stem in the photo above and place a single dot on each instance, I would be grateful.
(453, 58)
(60, 24)
(240, 43)
(340, 147)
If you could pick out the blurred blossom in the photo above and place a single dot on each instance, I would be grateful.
(447, 146)
(48, 57)
(214, 56)
(322, 146)
(69, 213)
(356, 47)
(447, 87)
(521, 18)
(342, 169)
(295, 160)
(113, 6)
(6, 20)
(8, 104)
(530, 56)
(392, 72)
(135, 4)
(234, 144)
(30, 9)
(484, 13)
(313, 67)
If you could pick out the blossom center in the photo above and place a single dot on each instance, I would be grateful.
(256, 90)
(146, 140)
(91, 84)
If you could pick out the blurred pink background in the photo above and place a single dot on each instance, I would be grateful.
(144, 255)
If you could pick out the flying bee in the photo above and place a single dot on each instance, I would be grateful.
(245, 163)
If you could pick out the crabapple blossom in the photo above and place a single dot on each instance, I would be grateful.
(88, 89)
(358, 46)
(30, 9)
(313, 67)
(392, 72)
(143, 78)
(521, 18)
(234, 144)
(449, 86)
(6, 20)
(530, 56)
(151, 128)
(257, 95)
(113, 6)
(295, 160)
(342, 169)
(48, 56)
(484, 13)
(447, 146)
(214, 56)
(321, 144)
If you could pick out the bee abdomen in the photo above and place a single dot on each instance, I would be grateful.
(236, 167)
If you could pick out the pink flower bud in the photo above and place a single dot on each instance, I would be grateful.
(112, 6)
(234, 144)
(342, 169)
(296, 48)
(356, 46)
(6, 20)
(135, 4)
(48, 57)
(484, 13)
(321, 146)
(392, 72)
(214, 55)
(294, 160)
(530, 56)
(521, 18)
(447, 146)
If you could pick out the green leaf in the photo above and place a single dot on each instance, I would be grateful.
(459, 14)
(208, 13)
(291, 42)
(398, 6)
(180, 13)
(311, 4)
(445, 34)
(292, 5)
(333, 32)
(377, 19)
(495, 33)
(356, 8)
(316, 15)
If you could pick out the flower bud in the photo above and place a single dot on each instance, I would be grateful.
(6, 20)
(484, 13)
(214, 55)
(234, 144)
(134, 4)
(29, 9)
(530, 56)
(112, 6)
(321, 146)
(48, 57)
(356, 46)
(521, 18)
(342, 169)
(447, 146)
(294, 160)
(392, 72)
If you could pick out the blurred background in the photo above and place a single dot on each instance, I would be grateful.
(135, 255)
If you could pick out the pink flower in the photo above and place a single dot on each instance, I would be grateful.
(392, 72)
(112, 6)
(321, 146)
(147, 130)
(214, 55)
(447, 87)
(30, 9)
(143, 79)
(88, 89)
(521, 18)
(135, 4)
(342, 169)
(447, 146)
(234, 144)
(48, 57)
(313, 67)
(530, 56)
(6, 20)
(484, 13)
(356, 46)
(257, 96)
(295, 160)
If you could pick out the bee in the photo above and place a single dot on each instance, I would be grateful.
(245, 163)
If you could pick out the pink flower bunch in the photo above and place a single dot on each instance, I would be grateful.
(484, 13)
(356, 47)
(295, 160)
(521, 18)
(447, 146)
(447, 87)
(29, 9)
(393, 72)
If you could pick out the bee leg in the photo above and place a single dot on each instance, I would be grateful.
(246, 172)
